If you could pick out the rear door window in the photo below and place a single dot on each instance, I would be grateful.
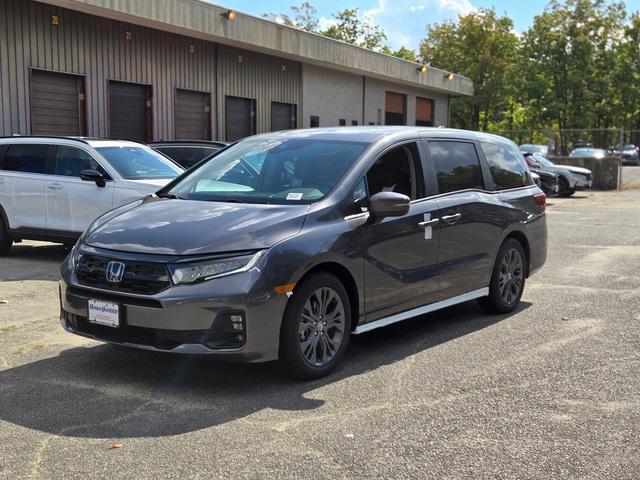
(457, 165)
(27, 158)
(508, 170)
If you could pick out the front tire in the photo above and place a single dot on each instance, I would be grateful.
(5, 240)
(316, 327)
(565, 191)
(507, 279)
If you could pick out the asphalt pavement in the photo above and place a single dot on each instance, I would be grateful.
(550, 391)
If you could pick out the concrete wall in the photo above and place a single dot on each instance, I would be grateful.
(330, 95)
(375, 96)
(607, 172)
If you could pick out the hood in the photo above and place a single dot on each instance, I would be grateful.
(188, 227)
(151, 184)
(583, 171)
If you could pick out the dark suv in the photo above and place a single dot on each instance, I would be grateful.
(285, 244)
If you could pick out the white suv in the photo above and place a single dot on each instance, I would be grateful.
(52, 188)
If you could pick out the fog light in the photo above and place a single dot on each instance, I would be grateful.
(236, 322)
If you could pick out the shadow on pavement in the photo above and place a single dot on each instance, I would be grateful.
(111, 392)
(27, 261)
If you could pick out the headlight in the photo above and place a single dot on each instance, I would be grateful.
(201, 271)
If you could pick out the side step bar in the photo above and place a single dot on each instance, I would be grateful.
(398, 317)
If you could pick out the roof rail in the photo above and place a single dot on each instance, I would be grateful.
(56, 137)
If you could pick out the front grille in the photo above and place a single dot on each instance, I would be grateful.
(143, 278)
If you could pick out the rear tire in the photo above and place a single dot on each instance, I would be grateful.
(316, 327)
(5, 240)
(507, 279)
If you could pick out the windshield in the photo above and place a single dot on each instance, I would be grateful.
(139, 163)
(543, 161)
(271, 171)
(533, 148)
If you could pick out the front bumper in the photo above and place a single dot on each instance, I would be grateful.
(185, 318)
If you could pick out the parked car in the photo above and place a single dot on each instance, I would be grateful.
(548, 182)
(187, 153)
(334, 232)
(530, 148)
(570, 178)
(52, 188)
(628, 153)
(588, 153)
(582, 144)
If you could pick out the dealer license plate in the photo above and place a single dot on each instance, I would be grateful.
(104, 313)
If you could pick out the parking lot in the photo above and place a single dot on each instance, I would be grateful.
(550, 391)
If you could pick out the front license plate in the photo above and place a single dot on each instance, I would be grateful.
(104, 313)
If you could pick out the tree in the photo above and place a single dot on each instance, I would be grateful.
(304, 17)
(351, 27)
(483, 47)
(402, 52)
(570, 51)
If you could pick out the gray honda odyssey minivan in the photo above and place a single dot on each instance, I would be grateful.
(283, 245)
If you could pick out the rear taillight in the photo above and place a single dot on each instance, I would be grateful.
(541, 199)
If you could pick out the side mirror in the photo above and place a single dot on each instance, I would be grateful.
(389, 204)
(93, 176)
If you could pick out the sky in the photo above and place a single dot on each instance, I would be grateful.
(404, 21)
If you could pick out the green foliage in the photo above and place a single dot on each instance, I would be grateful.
(483, 47)
(349, 26)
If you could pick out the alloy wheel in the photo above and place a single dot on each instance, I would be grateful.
(511, 276)
(321, 326)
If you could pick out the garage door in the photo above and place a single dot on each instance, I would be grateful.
(57, 103)
(240, 118)
(283, 116)
(130, 111)
(193, 115)
(395, 104)
(424, 112)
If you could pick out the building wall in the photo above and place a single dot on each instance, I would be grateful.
(96, 48)
(265, 78)
(331, 95)
(375, 96)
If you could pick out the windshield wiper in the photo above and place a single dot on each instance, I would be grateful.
(168, 195)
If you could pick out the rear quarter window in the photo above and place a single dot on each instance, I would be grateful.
(508, 169)
(27, 158)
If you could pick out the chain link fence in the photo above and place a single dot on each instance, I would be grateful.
(561, 142)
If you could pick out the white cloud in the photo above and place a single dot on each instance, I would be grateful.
(404, 21)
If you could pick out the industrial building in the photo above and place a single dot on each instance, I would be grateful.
(184, 69)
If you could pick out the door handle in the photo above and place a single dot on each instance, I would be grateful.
(428, 223)
(451, 219)
(54, 186)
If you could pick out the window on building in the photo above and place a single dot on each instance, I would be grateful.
(372, 123)
(424, 112)
(457, 165)
(71, 161)
(28, 158)
(314, 121)
(342, 122)
(397, 171)
(508, 170)
(354, 122)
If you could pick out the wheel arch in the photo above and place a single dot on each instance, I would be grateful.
(348, 280)
(521, 238)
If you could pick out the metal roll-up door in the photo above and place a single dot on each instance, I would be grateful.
(283, 116)
(394, 106)
(240, 118)
(57, 103)
(130, 111)
(192, 120)
(424, 112)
